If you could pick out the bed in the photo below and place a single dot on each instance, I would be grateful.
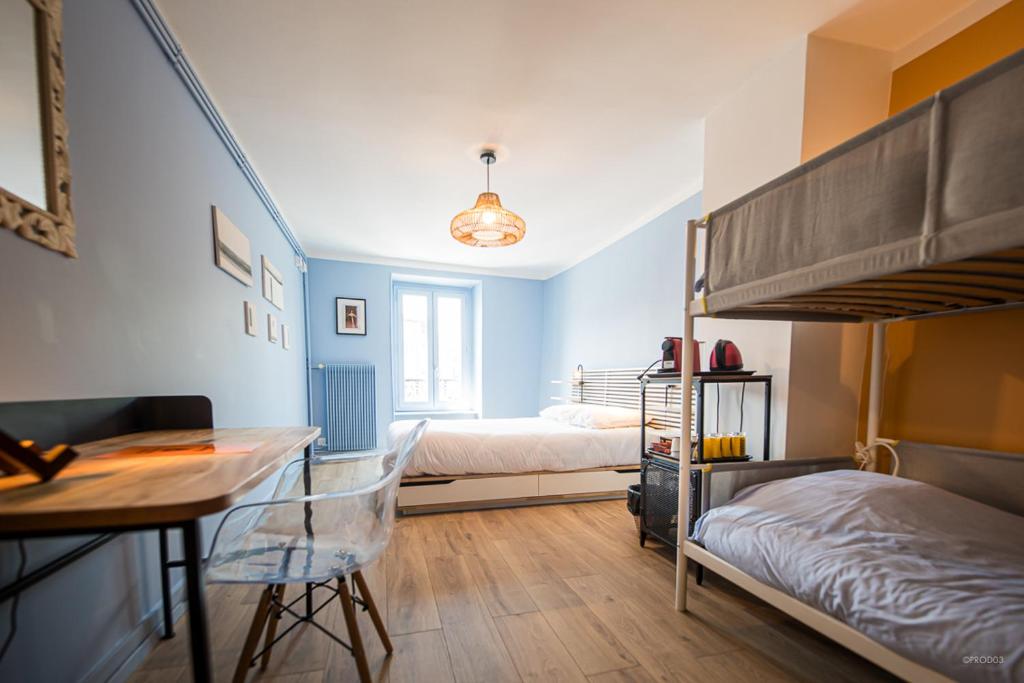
(920, 216)
(863, 547)
(516, 445)
(473, 464)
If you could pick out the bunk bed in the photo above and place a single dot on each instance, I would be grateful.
(920, 216)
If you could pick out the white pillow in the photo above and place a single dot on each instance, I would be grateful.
(606, 417)
(592, 416)
(563, 412)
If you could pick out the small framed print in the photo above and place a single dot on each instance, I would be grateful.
(351, 316)
(273, 284)
(232, 252)
(286, 340)
(272, 329)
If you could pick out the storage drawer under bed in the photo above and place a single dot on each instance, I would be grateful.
(516, 488)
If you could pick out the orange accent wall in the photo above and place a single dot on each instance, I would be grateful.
(986, 41)
(957, 380)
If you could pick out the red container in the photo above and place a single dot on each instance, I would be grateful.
(725, 357)
(677, 355)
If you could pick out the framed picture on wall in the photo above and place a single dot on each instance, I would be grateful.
(351, 316)
(232, 252)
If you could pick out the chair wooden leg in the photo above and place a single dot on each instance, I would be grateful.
(275, 617)
(253, 639)
(378, 623)
(348, 608)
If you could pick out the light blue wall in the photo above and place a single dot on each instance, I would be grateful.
(143, 310)
(612, 310)
(511, 328)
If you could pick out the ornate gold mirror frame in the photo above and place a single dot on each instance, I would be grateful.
(54, 226)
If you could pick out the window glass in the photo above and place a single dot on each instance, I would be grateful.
(433, 348)
(449, 349)
(415, 349)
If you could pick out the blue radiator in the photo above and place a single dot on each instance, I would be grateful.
(350, 408)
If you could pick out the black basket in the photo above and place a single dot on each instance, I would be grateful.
(633, 502)
(660, 483)
(633, 499)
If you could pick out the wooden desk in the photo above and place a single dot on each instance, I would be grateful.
(138, 482)
(108, 484)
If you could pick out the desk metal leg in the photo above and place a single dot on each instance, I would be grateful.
(199, 637)
(165, 586)
(307, 483)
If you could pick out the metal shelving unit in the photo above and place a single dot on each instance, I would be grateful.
(659, 473)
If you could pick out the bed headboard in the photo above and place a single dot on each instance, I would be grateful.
(990, 477)
(620, 387)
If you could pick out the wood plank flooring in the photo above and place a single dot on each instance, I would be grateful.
(548, 593)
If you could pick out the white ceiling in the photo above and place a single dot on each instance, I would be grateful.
(889, 25)
(365, 119)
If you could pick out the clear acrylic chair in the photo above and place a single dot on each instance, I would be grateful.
(319, 539)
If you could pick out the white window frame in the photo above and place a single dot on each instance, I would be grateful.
(433, 292)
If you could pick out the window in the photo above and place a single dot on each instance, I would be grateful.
(433, 348)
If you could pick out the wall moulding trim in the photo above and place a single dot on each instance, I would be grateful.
(408, 264)
(175, 54)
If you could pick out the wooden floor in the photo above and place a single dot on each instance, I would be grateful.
(547, 593)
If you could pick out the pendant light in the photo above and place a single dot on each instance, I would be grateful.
(488, 223)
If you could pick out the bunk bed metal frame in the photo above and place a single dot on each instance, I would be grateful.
(939, 164)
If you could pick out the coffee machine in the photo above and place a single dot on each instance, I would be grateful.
(672, 355)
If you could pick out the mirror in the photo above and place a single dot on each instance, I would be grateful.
(35, 178)
(22, 170)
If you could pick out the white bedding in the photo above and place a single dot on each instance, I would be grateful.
(522, 444)
(934, 576)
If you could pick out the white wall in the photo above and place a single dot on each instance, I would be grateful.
(765, 346)
(814, 95)
(750, 138)
(756, 134)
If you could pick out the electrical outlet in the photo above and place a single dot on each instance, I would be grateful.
(321, 441)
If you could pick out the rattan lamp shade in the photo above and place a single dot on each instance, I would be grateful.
(488, 224)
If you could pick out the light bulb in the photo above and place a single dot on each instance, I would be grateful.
(489, 217)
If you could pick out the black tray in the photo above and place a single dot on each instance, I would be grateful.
(736, 458)
(715, 373)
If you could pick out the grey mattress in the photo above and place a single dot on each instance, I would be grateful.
(940, 182)
(931, 575)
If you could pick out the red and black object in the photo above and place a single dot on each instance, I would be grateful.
(725, 357)
(672, 355)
